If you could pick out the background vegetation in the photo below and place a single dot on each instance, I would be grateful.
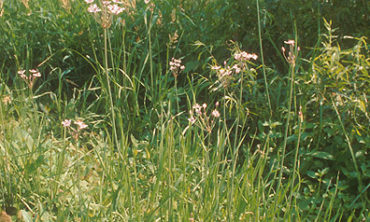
(284, 139)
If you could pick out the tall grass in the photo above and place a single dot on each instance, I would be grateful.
(125, 125)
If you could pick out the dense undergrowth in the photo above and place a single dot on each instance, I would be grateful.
(184, 111)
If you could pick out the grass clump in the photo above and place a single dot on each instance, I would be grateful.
(124, 111)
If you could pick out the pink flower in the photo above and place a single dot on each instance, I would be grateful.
(290, 42)
(237, 56)
(81, 125)
(216, 67)
(21, 73)
(243, 56)
(216, 113)
(35, 72)
(106, 2)
(93, 8)
(192, 120)
(236, 68)
(66, 123)
(197, 109)
(115, 9)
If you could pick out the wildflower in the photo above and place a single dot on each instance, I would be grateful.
(93, 8)
(81, 125)
(115, 9)
(66, 123)
(215, 113)
(290, 42)
(89, 1)
(175, 66)
(197, 108)
(216, 67)
(35, 72)
(22, 74)
(244, 56)
(225, 72)
(192, 119)
(106, 2)
(236, 68)
(146, 1)
(291, 57)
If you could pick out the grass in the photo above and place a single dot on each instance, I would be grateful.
(115, 129)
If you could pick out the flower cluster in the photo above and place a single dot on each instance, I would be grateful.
(67, 123)
(30, 76)
(199, 112)
(236, 66)
(291, 57)
(176, 67)
(103, 14)
(245, 56)
(224, 74)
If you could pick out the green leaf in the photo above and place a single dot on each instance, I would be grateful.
(321, 155)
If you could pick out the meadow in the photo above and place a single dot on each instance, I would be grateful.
(183, 110)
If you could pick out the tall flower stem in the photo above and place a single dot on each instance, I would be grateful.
(114, 129)
(292, 74)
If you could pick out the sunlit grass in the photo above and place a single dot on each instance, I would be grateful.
(111, 115)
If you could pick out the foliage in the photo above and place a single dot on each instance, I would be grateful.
(162, 114)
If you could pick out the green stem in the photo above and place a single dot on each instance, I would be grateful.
(292, 69)
(349, 146)
(262, 59)
(114, 136)
(295, 168)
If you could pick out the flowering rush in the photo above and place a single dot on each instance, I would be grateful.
(244, 56)
(110, 7)
(176, 67)
(66, 123)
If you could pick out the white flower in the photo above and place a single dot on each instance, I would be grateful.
(146, 1)
(89, 1)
